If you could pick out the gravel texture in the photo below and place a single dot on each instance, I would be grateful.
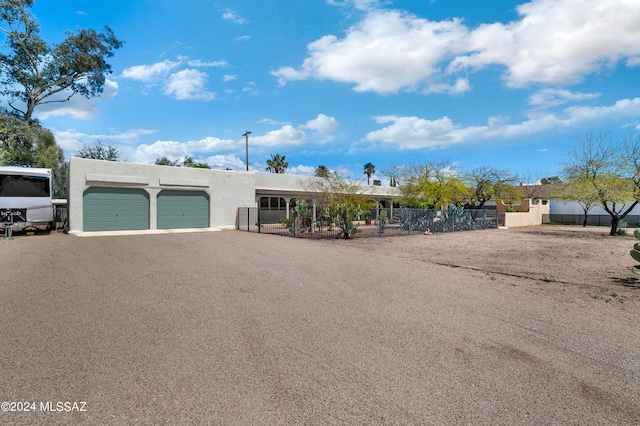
(501, 327)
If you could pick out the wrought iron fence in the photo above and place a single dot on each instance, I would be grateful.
(375, 222)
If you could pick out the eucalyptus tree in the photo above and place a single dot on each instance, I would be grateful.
(34, 72)
(99, 151)
(32, 145)
(277, 163)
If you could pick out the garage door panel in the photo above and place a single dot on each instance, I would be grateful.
(183, 209)
(112, 209)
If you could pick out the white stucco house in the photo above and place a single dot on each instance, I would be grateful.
(571, 212)
(114, 196)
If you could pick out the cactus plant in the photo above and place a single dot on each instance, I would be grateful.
(635, 252)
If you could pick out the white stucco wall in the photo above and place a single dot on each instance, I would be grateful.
(573, 208)
(530, 218)
(227, 190)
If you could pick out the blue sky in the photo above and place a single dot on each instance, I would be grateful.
(340, 83)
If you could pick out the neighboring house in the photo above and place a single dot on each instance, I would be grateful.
(570, 212)
(115, 196)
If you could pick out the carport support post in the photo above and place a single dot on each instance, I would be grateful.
(287, 201)
(313, 220)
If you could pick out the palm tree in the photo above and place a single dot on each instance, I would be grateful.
(322, 171)
(369, 169)
(277, 163)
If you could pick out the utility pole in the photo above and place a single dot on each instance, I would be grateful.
(246, 135)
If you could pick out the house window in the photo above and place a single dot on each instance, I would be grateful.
(272, 203)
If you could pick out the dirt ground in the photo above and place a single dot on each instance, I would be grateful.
(532, 326)
(563, 261)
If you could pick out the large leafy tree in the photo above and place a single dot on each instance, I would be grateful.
(488, 183)
(277, 163)
(607, 170)
(433, 184)
(31, 145)
(99, 151)
(35, 73)
(582, 192)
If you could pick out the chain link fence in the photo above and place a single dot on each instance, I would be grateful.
(375, 222)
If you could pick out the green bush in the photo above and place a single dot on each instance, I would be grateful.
(287, 222)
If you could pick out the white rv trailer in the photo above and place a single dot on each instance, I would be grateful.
(25, 197)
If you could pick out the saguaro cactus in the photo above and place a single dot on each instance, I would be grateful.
(635, 252)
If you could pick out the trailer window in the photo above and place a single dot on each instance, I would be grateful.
(24, 186)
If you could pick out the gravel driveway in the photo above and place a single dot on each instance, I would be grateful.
(237, 328)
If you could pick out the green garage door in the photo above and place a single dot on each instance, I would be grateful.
(115, 209)
(183, 209)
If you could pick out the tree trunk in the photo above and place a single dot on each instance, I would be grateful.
(614, 225)
(584, 222)
(616, 216)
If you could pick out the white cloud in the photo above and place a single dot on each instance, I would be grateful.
(188, 84)
(363, 56)
(223, 162)
(250, 88)
(633, 61)
(229, 77)
(546, 98)
(179, 150)
(232, 15)
(72, 141)
(322, 124)
(418, 133)
(199, 63)
(287, 135)
(286, 74)
(460, 86)
(553, 42)
(149, 73)
(556, 41)
(273, 122)
(78, 106)
(357, 4)
(415, 132)
(301, 170)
